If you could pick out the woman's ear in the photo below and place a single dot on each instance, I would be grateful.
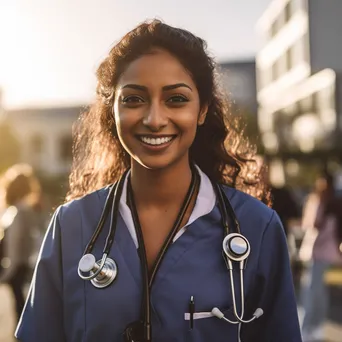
(202, 115)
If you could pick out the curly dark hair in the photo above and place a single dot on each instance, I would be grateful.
(219, 149)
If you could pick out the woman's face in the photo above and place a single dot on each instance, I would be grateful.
(157, 110)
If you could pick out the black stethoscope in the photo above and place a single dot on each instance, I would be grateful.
(103, 272)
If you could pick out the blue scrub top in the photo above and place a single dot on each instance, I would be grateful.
(61, 307)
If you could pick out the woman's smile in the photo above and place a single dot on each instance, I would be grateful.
(156, 142)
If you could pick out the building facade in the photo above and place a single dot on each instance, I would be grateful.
(239, 82)
(45, 137)
(299, 82)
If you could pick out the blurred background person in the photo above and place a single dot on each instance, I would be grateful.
(322, 221)
(283, 200)
(287, 207)
(20, 218)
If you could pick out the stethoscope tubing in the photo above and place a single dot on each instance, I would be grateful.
(148, 280)
(112, 205)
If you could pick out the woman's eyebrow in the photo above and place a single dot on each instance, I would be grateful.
(165, 88)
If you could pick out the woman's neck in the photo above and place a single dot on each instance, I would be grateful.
(161, 187)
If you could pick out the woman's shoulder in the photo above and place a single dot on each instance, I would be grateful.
(89, 203)
(260, 224)
(250, 211)
(240, 199)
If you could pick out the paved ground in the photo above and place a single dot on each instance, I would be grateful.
(7, 320)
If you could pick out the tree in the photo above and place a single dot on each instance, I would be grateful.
(9, 146)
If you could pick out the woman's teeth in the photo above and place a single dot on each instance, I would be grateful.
(155, 141)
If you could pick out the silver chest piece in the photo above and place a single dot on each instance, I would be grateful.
(105, 277)
(236, 247)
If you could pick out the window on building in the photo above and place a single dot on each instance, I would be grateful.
(36, 144)
(287, 12)
(264, 77)
(280, 21)
(298, 52)
(296, 5)
(274, 71)
(269, 75)
(288, 59)
(292, 109)
(274, 29)
(305, 47)
(326, 98)
(261, 78)
(66, 148)
(315, 103)
(282, 65)
(306, 104)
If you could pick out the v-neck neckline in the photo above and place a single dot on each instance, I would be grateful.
(205, 203)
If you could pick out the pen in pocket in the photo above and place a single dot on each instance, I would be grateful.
(192, 311)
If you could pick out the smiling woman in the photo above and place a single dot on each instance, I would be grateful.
(159, 163)
(158, 117)
(150, 72)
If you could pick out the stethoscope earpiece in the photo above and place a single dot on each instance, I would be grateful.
(101, 273)
(236, 247)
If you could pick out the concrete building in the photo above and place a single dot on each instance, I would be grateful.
(44, 135)
(238, 80)
(299, 80)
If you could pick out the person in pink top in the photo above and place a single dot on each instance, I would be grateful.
(323, 207)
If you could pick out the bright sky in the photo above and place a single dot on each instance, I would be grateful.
(50, 48)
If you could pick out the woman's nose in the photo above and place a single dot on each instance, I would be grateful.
(156, 118)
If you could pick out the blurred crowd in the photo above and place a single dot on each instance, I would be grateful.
(23, 216)
(313, 229)
(314, 232)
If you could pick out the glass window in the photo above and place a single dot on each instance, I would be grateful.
(288, 59)
(298, 52)
(326, 98)
(282, 65)
(275, 71)
(296, 5)
(305, 47)
(291, 109)
(36, 144)
(287, 12)
(306, 104)
(273, 29)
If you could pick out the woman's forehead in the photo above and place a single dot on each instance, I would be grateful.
(157, 68)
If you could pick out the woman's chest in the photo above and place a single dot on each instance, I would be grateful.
(158, 228)
(193, 266)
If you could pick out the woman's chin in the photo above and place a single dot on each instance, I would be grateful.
(156, 163)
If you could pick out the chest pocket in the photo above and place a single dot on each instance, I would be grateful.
(207, 327)
(210, 287)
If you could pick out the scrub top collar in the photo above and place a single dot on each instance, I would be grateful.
(205, 203)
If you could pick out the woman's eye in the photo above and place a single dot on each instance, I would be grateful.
(177, 99)
(132, 99)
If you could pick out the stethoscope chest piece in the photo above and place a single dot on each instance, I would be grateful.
(101, 273)
(236, 247)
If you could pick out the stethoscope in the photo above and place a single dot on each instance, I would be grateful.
(102, 273)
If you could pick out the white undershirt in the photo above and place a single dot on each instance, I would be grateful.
(205, 203)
